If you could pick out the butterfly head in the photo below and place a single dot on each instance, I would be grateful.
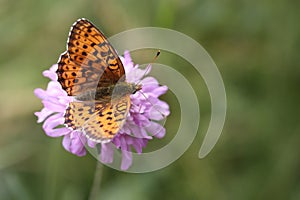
(124, 88)
(133, 88)
(136, 87)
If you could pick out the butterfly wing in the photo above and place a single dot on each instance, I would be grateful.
(78, 112)
(99, 121)
(106, 123)
(89, 62)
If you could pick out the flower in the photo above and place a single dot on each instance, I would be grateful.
(135, 131)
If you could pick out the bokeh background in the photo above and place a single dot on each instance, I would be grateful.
(255, 45)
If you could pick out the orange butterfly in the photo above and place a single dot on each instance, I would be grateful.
(91, 71)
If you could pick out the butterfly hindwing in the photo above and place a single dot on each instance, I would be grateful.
(107, 120)
(78, 112)
(99, 121)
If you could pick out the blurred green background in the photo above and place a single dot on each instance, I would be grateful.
(256, 46)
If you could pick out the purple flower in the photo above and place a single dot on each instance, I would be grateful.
(140, 125)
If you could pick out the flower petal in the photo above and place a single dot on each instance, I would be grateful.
(51, 72)
(139, 143)
(107, 153)
(126, 159)
(43, 114)
(72, 143)
(156, 130)
(54, 106)
(127, 61)
(52, 122)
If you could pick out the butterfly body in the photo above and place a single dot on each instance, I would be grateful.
(107, 93)
(91, 71)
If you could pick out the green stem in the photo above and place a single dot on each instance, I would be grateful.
(95, 190)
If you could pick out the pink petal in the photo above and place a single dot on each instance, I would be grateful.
(107, 153)
(91, 144)
(51, 73)
(40, 93)
(55, 107)
(54, 89)
(57, 132)
(52, 122)
(127, 60)
(139, 132)
(43, 114)
(160, 90)
(73, 144)
(149, 82)
(126, 159)
(156, 130)
(139, 144)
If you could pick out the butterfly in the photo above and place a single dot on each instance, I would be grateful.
(91, 71)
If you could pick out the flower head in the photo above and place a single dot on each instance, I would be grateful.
(138, 129)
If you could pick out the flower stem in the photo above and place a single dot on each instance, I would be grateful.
(95, 190)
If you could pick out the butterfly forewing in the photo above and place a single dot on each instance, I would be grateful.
(89, 62)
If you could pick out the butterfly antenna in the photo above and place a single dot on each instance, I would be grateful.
(149, 65)
(147, 70)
